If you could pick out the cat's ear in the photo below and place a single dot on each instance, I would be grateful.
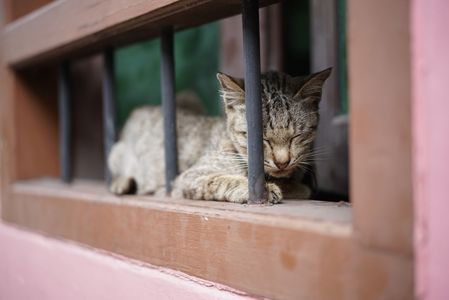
(232, 89)
(311, 86)
(230, 83)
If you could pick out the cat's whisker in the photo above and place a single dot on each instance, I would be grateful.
(320, 150)
(319, 158)
(314, 158)
(306, 168)
(315, 155)
(304, 162)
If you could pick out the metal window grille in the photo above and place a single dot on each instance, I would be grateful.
(109, 111)
(256, 176)
(169, 106)
(65, 128)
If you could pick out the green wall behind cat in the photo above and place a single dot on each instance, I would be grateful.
(296, 31)
(196, 64)
(197, 61)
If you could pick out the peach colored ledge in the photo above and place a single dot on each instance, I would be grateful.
(37, 267)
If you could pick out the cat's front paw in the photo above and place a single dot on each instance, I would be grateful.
(240, 195)
(274, 193)
(123, 185)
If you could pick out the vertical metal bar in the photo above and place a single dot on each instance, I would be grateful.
(169, 106)
(109, 112)
(65, 128)
(251, 47)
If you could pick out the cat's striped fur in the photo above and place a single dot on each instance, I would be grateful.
(213, 151)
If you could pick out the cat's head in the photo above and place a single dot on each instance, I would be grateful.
(290, 117)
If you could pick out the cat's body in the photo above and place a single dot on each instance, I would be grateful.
(212, 150)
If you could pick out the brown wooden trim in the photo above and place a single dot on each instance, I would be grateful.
(28, 120)
(5, 12)
(380, 130)
(248, 248)
(264, 253)
(36, 150)
(91, 25)
(15, 9)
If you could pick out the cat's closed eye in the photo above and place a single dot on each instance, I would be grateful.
(296, 136)
(267, 142)
(305, 134)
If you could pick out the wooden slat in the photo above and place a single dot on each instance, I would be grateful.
(380, 130)
(35, 141)
(28, 122)
(249, 248)
(18, 8)
(74, 27)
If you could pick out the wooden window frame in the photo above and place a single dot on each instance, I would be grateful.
(263, 251)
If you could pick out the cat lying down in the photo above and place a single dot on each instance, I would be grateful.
(213, 150)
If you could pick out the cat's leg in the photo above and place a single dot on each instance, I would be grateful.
(147, 187)
(117, 163)
(117, 159)
(122, 185)
(148, 177)
(225, 187)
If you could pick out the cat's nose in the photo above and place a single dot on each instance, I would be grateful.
(282, 164)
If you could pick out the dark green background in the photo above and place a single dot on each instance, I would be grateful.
(196, 61)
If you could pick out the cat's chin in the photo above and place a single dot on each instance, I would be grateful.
(280, 173)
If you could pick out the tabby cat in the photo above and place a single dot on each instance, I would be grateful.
(213, 150)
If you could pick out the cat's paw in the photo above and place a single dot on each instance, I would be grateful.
(239, 195)
(274, 193)
(230, 188)
(122, 185)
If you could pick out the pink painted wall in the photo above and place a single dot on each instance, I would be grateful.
(430, 75)
(37, 267)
